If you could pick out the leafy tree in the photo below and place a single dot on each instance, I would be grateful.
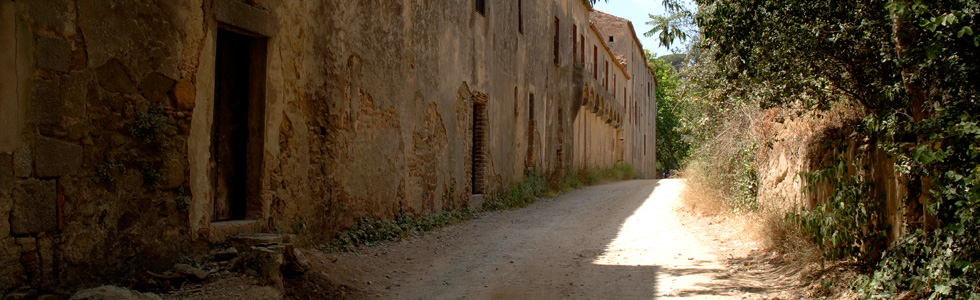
(911, 65)
(672, 149)
(677, 61)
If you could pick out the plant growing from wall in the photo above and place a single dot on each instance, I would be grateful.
(105, 173)
(849, 222)
(150, 126)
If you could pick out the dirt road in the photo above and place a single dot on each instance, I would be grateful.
(624, 240)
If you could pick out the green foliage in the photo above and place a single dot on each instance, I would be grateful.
(150, 126)
(589, 176)
(911, 66)
(728, 168)
(370, 231)
(849, 224)
(519, 195)
(943, 263)
(106, 172)
(678, 61)
(184, 203)
(675, 26)
(672, 149)
(152, 178)
(816, 52)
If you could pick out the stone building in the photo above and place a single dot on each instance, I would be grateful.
(640, 104)
(135, 133)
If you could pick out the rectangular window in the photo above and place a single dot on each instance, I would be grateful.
(614, 86)
(605, 78)
(574, 42)
(595, 62)
(481, 7)
(479, 146)
(581, 41)
(557, 37)
(610, 39)
(520, 16)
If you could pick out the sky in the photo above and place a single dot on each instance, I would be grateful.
(638, 12)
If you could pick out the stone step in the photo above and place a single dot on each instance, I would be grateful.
(244, 241)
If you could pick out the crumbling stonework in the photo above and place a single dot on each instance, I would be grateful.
(121, 118)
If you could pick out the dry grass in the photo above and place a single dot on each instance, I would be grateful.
(775, 233)
(701, 196)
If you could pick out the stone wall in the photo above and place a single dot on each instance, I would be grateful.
(113, 118)
(791, 144)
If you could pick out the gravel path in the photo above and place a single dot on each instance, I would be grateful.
(623, 240)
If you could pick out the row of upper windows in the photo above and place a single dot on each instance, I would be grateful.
(578, 44)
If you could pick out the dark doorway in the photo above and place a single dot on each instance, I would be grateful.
(236, 146)
(479, 146)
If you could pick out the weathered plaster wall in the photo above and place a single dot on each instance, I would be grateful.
(106, 141)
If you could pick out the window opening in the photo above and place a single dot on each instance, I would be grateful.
(481, 7)
(479, 146)
(574, 42)
(520, 16)
(557, 38)
(595, 62)
(605, 80)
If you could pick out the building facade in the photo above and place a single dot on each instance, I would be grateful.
(135, 133)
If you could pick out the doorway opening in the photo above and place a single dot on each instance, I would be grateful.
(236, 133)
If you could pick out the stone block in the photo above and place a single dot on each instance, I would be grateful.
(11, 271)
(173, 174)
(6, 202)
(36, 209)
(23, 161)
(45, 250)
(244, 16)
(50, 14)
(155, 87)
(27, 244)
(112, 292)
(56, 158)
(184, 93)
(53, 54)
(6, 169)
(48, 105)
(114, 78)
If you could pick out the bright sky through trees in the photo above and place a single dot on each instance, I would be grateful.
(638, 12)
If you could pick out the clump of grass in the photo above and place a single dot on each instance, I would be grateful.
(700, 194)
(566, 182)
(369, 231)
(519, 195)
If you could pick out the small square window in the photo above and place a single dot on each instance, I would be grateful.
(481, 7)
